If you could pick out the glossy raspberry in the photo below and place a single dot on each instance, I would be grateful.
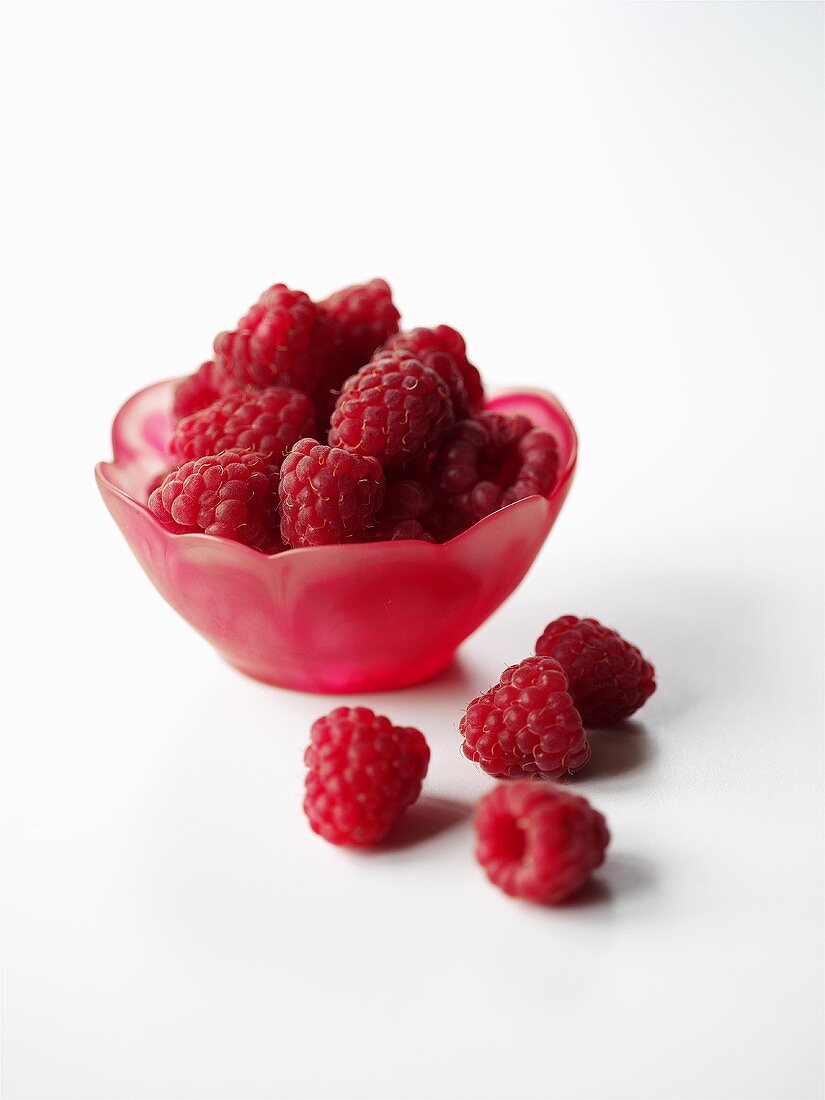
(538, 842)
(233, 495)
(269, 421)
(526, 725)
(443, 349)
(363, 774)
(362, 318)
(280, 341)
(209, 382)
(609, 678)
(393, 409)
(328, 495)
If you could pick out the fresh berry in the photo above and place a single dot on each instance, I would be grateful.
(363, 774)
(405, 530)
(269, 421)
(538, 466)
(526, 724)
(393, 409)
(399, 518)
(362, 318)
(280, 341)
(406, 499)
(487, 462)
(538, 842)
(209, 382)
(609, 678)
(328, 495)
(443, 349)
(233, 495)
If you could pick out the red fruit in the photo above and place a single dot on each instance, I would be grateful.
(328, 495)
(281, 341)
(363, 774)
(362, 317)
(443, 349)
(526, 724)
(393, 409)
(487, 462)
(538, 842)
(209, 382)
(233, 495)
(406, 499)
(609, 678)
(269, 421)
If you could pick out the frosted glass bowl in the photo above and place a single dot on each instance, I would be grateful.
(364, 617)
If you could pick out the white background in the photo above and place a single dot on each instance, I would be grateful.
(620, 203)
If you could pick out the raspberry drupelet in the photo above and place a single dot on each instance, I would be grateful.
(538, 842)
(526, 724)
(269, 421)
(609, 678)
(393, 409)
(328, 495)
(233, 495)
(363, 774)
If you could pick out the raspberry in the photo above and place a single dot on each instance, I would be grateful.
(362, 318)
(443, 349)
(233, 495)
(280, 341)
(526, 724)
(406, 499)
(609, 678)
(269, 421)
(328, 495)
(488, 462)
(409, 530)
(363, 774)
(209, 382)
(393, 409)
(538, 842)
(538, 467)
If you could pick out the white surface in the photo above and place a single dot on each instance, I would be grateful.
(619, 203)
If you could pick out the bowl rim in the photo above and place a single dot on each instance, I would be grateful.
(106, 485)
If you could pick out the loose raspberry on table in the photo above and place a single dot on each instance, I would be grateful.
(538, 842)
(443, 349)
(209, 382)
(362, 317)
(233, 495)
(269, 421)
(363, 774)
(328, 495)
(526, 725)
(281, 341)
(393, 409)
(609, 678)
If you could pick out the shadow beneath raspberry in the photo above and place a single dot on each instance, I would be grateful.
(618, 749)
(428, 818)
(621, 877)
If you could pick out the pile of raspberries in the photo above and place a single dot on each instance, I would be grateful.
(320, 422)
(535, 840)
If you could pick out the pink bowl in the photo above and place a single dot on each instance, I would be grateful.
(367, 617)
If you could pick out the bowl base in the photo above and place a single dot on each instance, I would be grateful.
(349, 681)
